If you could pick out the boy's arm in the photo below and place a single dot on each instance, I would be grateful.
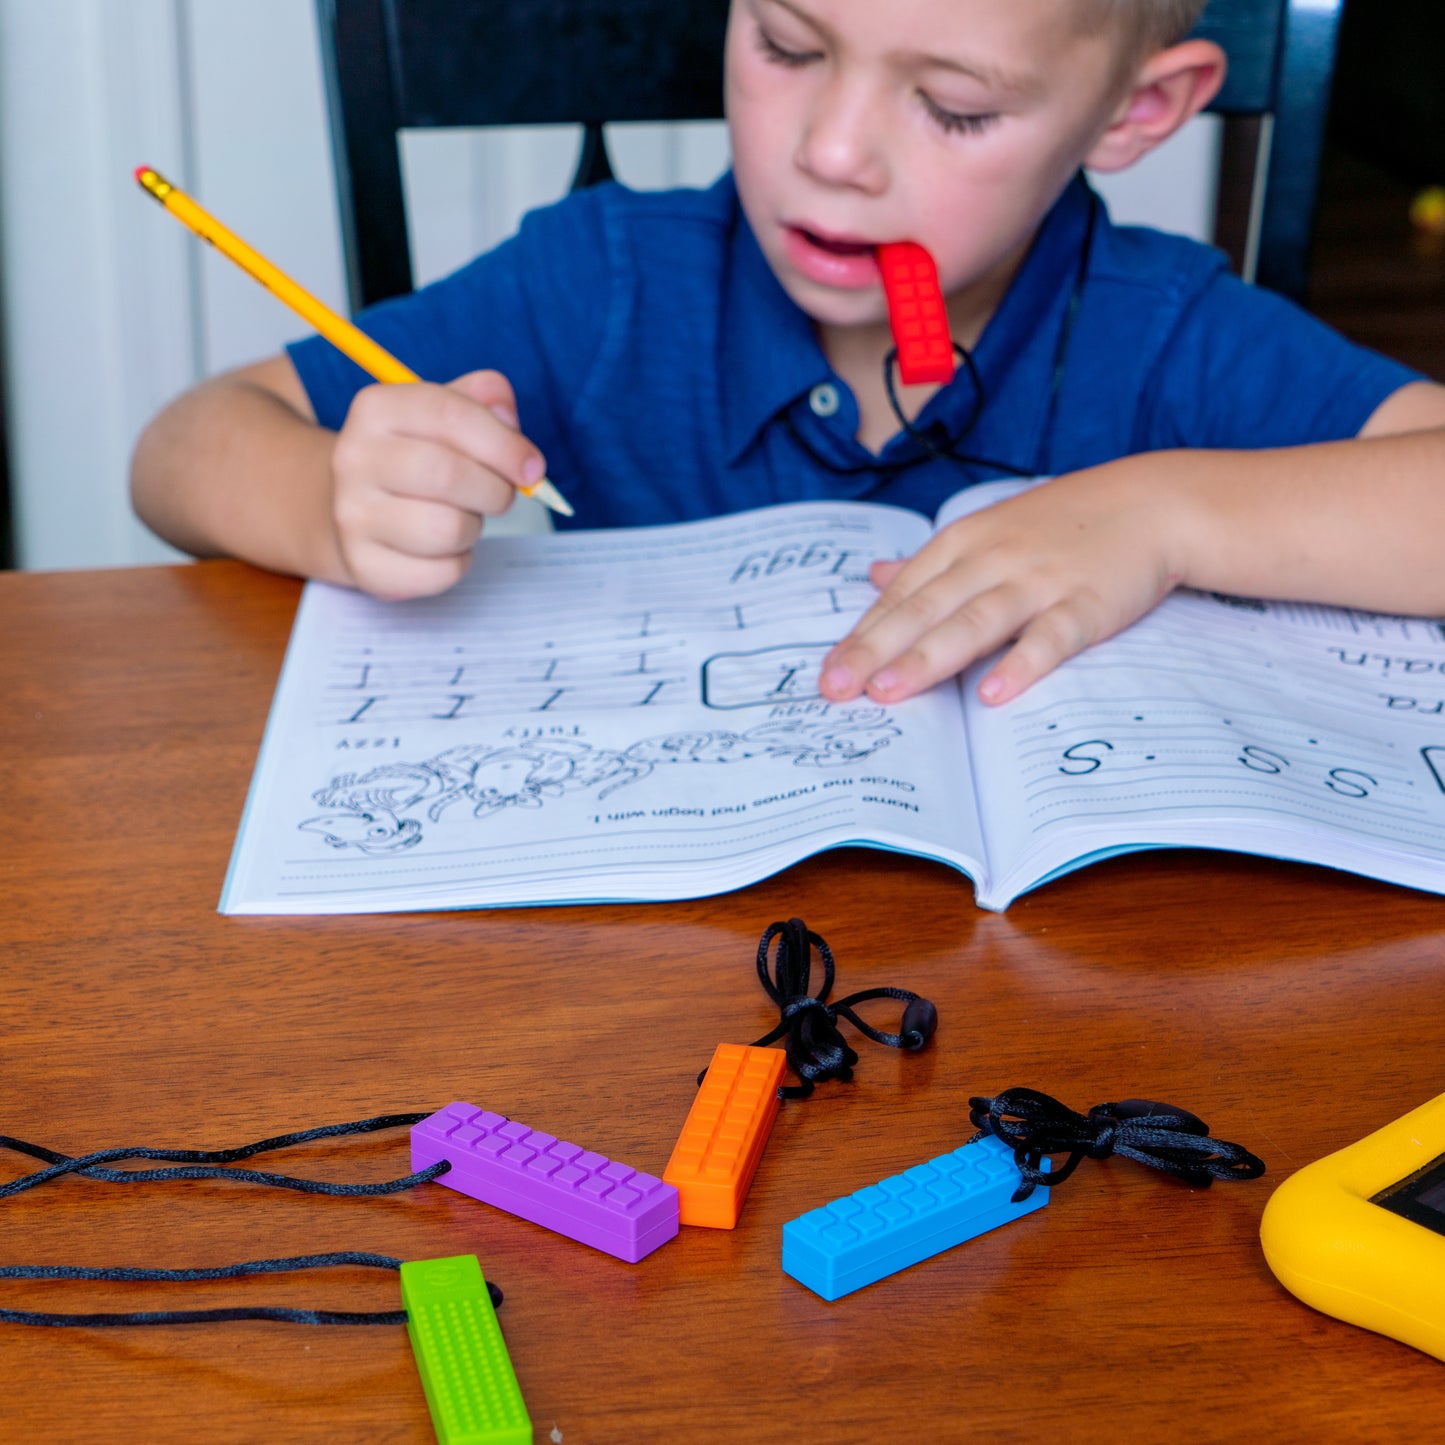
(393, 503)
(238, 467)
(1355, 523)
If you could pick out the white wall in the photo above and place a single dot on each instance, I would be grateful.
(1175, 187)
(92, 339)
(110, 308)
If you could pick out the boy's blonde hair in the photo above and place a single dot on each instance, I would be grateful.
(1143, 26)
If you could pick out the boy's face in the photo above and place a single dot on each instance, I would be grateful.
(952, 123)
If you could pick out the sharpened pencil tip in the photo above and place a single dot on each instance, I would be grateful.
(550, 497)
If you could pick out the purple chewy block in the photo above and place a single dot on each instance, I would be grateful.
(583, 1195)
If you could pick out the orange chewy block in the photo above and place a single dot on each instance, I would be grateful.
(725, 1134)
(916, 313)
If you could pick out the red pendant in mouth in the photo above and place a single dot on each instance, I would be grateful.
(917, 315)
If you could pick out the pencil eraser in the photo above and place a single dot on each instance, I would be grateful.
(471, 1388)
(916, 313)
(560, 1186)
(907, 1218)
(725, 1133)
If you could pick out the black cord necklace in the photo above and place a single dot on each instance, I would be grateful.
(276, 1314)
(1162, 1136)
(816, 1050)
(215, 1163)
(933, 441)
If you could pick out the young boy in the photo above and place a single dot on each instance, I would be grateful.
(677, 355)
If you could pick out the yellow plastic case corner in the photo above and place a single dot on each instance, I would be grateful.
(1329, 1243)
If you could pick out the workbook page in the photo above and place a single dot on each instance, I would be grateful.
(630, 714)
(1305, 732)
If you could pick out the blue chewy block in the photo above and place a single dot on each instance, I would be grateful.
(899, 1221)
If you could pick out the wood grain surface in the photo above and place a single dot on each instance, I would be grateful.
(1294, 1009)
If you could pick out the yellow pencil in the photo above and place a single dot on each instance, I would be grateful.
(348, 339)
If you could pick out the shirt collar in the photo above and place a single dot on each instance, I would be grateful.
(770, 355)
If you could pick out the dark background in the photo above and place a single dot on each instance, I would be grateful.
(1389, 95)
(1375, 276)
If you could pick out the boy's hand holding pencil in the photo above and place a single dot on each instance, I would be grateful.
(416, 470)
(417, 467)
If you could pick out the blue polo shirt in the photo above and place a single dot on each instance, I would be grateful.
(666, 375)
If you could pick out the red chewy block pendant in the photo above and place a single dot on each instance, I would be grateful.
(916, 313)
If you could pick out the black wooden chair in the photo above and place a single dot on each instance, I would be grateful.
(1281, 63)
(394, 65)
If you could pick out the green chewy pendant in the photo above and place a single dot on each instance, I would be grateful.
(466, 1372)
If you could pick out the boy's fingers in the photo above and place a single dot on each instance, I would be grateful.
(454, 418)
(395, 576)
(911, 590)
(492, 390)
(418, 528)
(988, 621)
(910, 609)
(915, 662)
(901, 581)
(1051, 638)
(415, 470)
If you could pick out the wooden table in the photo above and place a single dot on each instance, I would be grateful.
(1293, 1008)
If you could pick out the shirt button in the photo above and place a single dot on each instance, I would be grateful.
(823, 399)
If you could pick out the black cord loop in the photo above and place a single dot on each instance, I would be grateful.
(934, 440)
(211, 1316)
(1159, 1135)
(208, 1162)
(816, 1050)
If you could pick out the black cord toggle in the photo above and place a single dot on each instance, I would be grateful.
(211, 1316)
(1159, 1135)
(209, 1163)
(816, 1050)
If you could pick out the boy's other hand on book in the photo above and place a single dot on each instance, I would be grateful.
(1050, 570)
(415, 471)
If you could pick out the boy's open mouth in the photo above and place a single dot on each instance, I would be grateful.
(836, 247)
(836, 262)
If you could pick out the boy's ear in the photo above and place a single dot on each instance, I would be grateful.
(1172, 86)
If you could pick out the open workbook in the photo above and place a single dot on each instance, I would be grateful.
(634, 715)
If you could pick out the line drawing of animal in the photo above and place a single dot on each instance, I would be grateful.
(373, 812)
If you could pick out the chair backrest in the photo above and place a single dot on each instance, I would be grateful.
(394, 65)
(1281, 63)
(401, 64)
